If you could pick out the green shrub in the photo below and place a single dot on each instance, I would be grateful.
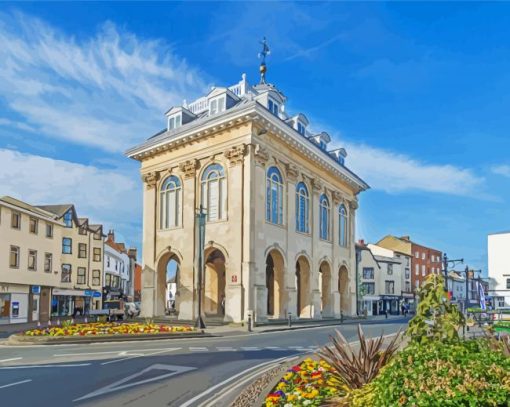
(465, 373)
(436, 317)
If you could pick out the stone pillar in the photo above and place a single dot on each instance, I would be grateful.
(188, 296)
(149, 278)
(290, 275)
(259, 289)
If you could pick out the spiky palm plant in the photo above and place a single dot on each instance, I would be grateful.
(353, 369)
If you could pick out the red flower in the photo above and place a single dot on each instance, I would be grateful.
(296, 368)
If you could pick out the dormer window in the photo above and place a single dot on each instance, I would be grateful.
(217, 105)
(301, 128)
(174, 121)
(273, 107)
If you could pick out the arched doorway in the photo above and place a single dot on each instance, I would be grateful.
(168, 284)
(325, 287)
(303, 309)
(172, 285)
(343, 289)
(274, 284)
(214, 283)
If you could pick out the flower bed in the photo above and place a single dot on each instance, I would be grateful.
(502, 326)
(106, 328)
(306, 384)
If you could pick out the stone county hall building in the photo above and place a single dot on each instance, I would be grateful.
(280, 206)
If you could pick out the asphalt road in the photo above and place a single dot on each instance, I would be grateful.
(177, 372)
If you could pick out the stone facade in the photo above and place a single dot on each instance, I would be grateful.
(252, 265)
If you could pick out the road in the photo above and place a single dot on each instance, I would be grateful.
(177, 372)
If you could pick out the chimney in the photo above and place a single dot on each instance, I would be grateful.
(408, 238)
(132, 253)
(111, 236)
(361, 242)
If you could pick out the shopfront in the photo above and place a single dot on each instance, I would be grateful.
(370, 305)
(391, 304)
(72, 303)
(14, 303)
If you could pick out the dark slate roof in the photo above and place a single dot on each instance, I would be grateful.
(58, 210)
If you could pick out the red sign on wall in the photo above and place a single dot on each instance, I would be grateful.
(234, 279)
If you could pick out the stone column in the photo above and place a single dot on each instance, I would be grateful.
(315, 296)
(290, 275)
(188, 296)
(234, 273)
(259, 289)
(149, 278)
(336, 259)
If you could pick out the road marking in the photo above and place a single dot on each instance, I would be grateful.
(250, 348)
(37, 366)
(198, 349)
(15, 383)
(9, 360)
(213, 388)
(296, 347)
(273, 348)
(105, 352)
(139, 355)
(119, 385)
(226, 349)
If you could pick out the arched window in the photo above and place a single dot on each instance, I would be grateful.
(214, 192)
(324, 217)
(170, 203)
(274, 196)
(302, 208)
(344, 226)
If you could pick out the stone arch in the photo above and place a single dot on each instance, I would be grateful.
(275, 283)
(343, 289)
(325, 287)
(162, 304)
(303, 287)
(214, 282)
(281, 252)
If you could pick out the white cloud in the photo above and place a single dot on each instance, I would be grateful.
(105, 196)
(393, 172)
(501, 170)
(109, 91)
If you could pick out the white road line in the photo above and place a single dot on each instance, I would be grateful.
(15, 383)
(139, 356)
(296, 347)
(37, 366)
(213, 388)
(105, 352)
(9, 360)
(198, 349)
(273, 348)
(226, 349)
(250, 348)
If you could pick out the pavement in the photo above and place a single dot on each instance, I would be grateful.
(177, 372)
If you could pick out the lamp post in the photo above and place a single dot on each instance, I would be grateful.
(200, 218)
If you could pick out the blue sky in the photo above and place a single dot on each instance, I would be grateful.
(418, 93)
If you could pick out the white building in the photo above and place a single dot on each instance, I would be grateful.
(499, 268)
(117, 269)
(369, 272)
(457, 288)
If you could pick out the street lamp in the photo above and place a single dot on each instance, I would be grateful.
(200, 218)
(447, 262)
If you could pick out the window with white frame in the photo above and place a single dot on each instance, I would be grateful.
(423, 256)
(14, 257)
(96, 277)
(68, 219)
(368, 288)
(368, 273)
(273, 107)
(302, 208)
(343, 225)
(81, 275)
(32, 260)
(16, 220)
(274, 196)
(49, 230)
(390, 269)
(48, 262)
(214, 192)
(217, 105)
(170, 203)
(423, 269)
(389, 287)
(324, 217)
(66, 273)
(417, 269)
(174, 121)
(301, 128)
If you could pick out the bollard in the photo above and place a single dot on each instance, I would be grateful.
(341, 317)
(289, 322)
(249, 323)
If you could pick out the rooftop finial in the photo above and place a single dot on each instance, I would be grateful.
(262, 55)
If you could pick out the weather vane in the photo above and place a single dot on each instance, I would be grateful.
(262, 55)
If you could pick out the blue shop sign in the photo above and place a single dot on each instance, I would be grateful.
(96, 294)
(36, 289)
(89, 293)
